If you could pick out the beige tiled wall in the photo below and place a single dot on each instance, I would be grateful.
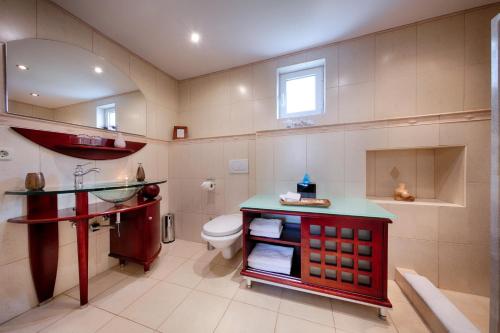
(193, 162)
(432, 67)
(42, 19)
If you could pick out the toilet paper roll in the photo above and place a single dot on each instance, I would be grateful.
(208, 185)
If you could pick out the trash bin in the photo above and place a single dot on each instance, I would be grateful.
(168, 229)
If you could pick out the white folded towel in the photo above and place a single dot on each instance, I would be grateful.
(268, 234)
(266, 225)
(271, 258)
(290, 196)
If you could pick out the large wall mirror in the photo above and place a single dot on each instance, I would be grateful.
(65, 83)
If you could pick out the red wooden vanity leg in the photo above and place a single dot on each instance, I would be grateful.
(82, 239)
(43, 244)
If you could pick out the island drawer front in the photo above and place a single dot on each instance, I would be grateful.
(346, 253)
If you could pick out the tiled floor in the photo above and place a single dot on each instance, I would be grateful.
(192, 290)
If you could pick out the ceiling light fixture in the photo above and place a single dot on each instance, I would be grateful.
(34, 94)
(195, 37)
(98, 69)
(22, 67)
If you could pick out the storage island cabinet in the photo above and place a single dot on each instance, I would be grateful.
(339, 252)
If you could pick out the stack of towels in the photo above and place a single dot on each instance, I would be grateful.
(271, 258)
(261, 227)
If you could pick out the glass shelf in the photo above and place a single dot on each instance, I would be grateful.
(86, 188)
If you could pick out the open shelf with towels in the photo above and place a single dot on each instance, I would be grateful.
(289, 236)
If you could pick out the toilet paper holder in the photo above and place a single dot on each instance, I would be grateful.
(208, 184)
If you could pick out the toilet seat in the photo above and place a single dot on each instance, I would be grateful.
(224, 225)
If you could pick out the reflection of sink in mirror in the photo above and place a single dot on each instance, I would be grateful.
(117, 196)
(62, 82)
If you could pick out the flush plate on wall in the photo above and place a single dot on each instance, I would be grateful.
(238, 166)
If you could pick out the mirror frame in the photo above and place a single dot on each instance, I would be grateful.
(6, 91)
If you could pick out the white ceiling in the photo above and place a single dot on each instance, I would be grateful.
(237, 32)
(61, 73)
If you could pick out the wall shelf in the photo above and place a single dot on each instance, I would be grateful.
(63, 143)
(417, 202)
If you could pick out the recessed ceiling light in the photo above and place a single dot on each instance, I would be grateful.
(22, 67)
(195, 37)
(34, 94)
(98, 69)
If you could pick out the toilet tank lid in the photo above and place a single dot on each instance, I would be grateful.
(223, 225)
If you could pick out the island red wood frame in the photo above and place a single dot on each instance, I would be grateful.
(63, 143)
(43, 239)
(339, 256)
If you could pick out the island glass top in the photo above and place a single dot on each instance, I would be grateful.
(339, 206)
(86, 187)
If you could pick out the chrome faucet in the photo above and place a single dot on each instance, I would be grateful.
(79, 173)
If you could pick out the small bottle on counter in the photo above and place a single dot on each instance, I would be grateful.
(140, 175)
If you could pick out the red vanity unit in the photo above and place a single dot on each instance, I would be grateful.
(138, 239)
(339, 252)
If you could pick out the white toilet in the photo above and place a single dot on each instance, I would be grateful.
(224, 232)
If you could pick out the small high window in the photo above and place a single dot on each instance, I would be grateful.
(106, 116)
(301, 89)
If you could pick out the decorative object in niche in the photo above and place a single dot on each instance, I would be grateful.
(63, 85)
(120, 141)
(180, 132)
(402, 194)
(140, 174)
(63, 143)
(35, 181)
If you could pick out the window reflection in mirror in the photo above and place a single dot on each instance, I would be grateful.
(65, 83)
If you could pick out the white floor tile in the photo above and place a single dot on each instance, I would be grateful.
(287, 324)
(122, 325)
(42, 316)
(262, 295)
(245, 318)
(189, 274)
(221, 281)
(156, 305)
(118, 297)
(307, 306)
(199, 312)
(85, 320)
(355, 318)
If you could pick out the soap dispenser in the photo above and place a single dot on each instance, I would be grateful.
(140, 175)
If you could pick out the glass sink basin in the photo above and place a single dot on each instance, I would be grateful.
(117, 195)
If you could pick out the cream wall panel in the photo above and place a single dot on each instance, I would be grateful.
(17, 19)
(356, 102)
(357, 60)
(54, 23)
(290, 157)
(264, 79)
(395, 72)
(414, 136)
(20, 294)
(111, 51)
(440, 65)
(416, 254)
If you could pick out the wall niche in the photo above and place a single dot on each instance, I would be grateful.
(435, 175)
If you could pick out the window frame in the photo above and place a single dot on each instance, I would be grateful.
(102, 115)
(314, 68)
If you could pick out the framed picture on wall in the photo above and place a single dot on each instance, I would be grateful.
(180, 132)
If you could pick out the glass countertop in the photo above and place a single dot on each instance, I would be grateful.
(86, 188)
(340, 206)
